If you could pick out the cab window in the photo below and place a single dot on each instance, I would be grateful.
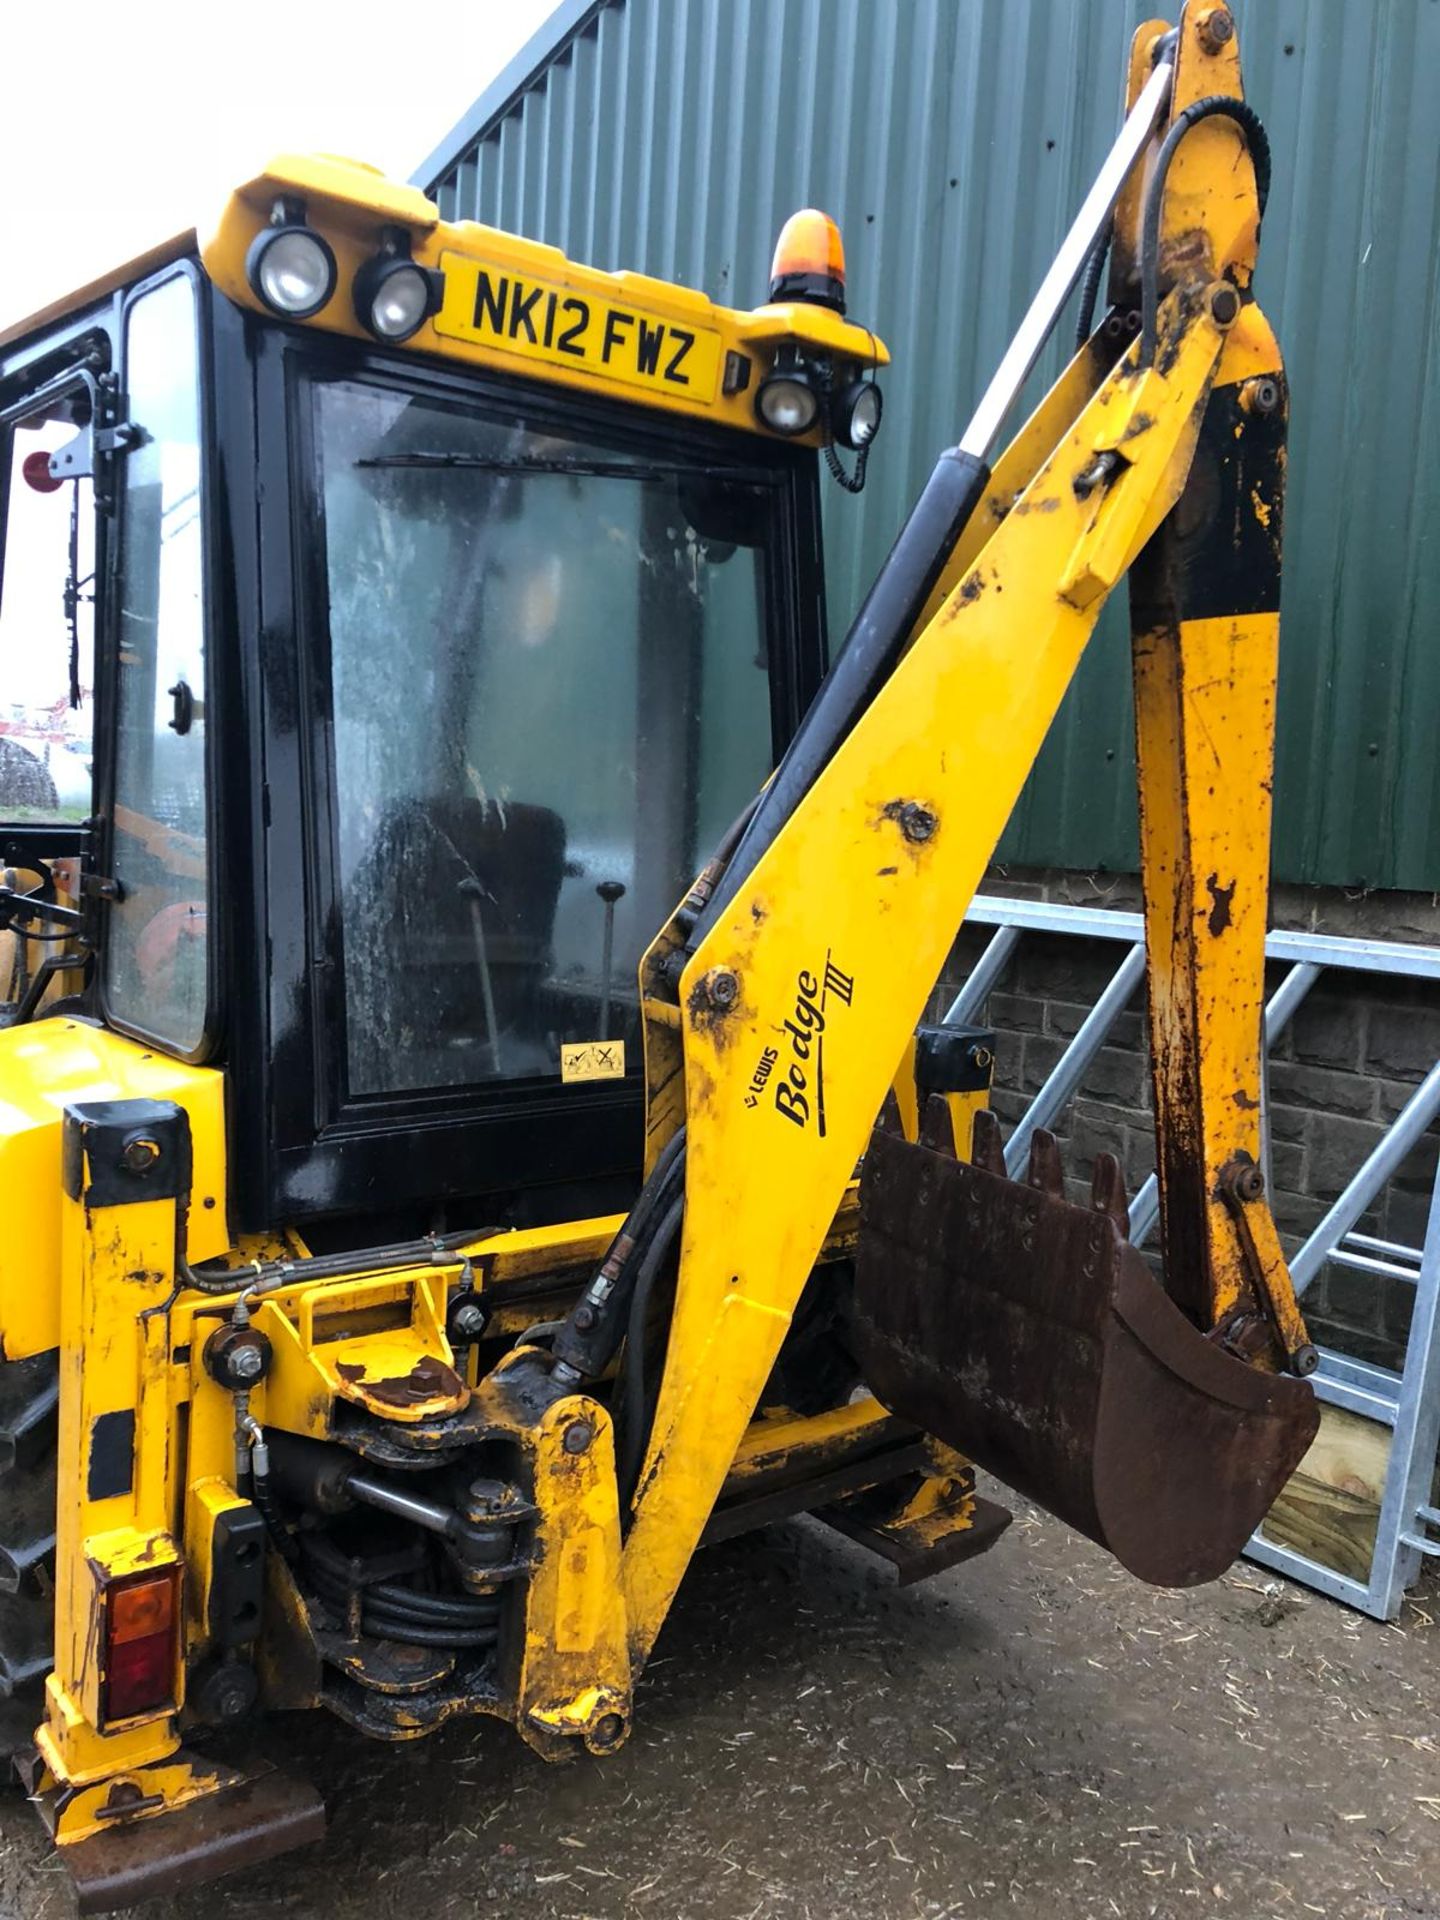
(156, 942)
(47, 620)
(550, 694)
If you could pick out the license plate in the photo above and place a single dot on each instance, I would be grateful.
(512, 312)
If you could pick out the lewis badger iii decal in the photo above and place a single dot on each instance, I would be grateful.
(791, 1074)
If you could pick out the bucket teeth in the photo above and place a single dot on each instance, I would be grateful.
(987, 1150)
(937, 1127)
(1107, 1191)
(1045, 1172)
(890, 1121)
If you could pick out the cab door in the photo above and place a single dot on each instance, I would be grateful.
(155, 961)
(51, 555)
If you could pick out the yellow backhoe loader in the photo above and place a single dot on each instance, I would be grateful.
(409, 1256)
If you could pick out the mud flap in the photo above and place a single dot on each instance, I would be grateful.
(1026, 1331)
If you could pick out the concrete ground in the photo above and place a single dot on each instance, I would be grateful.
(1033, 1736)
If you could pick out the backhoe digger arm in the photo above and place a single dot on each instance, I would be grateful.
(800, 997)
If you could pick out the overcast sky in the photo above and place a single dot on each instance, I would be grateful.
(128, 121)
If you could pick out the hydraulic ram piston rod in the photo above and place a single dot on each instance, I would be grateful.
(1055, 289)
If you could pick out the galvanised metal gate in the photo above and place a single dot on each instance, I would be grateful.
(1406, 1401)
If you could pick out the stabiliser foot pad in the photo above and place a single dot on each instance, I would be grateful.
(238, 1826)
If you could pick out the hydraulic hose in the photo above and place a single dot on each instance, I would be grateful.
(262, 1276)
(389, 1611)
(632, 1397)
(1250, 124)
(592, 1330)
(1090, 285)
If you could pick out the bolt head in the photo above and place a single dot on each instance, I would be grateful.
(578, 1436)
(468, 1320)
(1264, 394)
(1217, 28)
(917, 823)
(1224, 305)
(246, 1361)
(1247, 1183)
(608, 1731)
(140, 1154)
(722, 987)
(232, 1703)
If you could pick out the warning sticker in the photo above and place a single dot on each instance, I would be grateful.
(593, 1060)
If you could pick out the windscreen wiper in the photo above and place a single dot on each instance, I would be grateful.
(584, 469)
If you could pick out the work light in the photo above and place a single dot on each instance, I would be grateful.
(291, 268)
(785, 400)
(393, 295)
(855, 414)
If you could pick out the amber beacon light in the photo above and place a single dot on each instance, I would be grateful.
(809, 262)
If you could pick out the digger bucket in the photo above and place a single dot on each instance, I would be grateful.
(1024, 1329)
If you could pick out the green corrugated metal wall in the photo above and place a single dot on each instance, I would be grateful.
(953, 139)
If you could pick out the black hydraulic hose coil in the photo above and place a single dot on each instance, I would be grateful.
(1250, 124)
(1090, 283)
(390, 1611)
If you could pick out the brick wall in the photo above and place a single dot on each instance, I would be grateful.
(1351, 1057)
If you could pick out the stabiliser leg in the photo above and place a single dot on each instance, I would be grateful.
(132, 1811)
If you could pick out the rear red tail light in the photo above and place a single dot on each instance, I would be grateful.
(141, 1619)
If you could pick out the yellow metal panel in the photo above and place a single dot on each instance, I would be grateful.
(1016, 468)
(903, 1087)
(766, 1444)
(1210, 190)
(575, 1670)
(963, 1109)
(80, 1813)
(351, 205)
(379, 1342)
(44, 1067)
(119, 1268)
